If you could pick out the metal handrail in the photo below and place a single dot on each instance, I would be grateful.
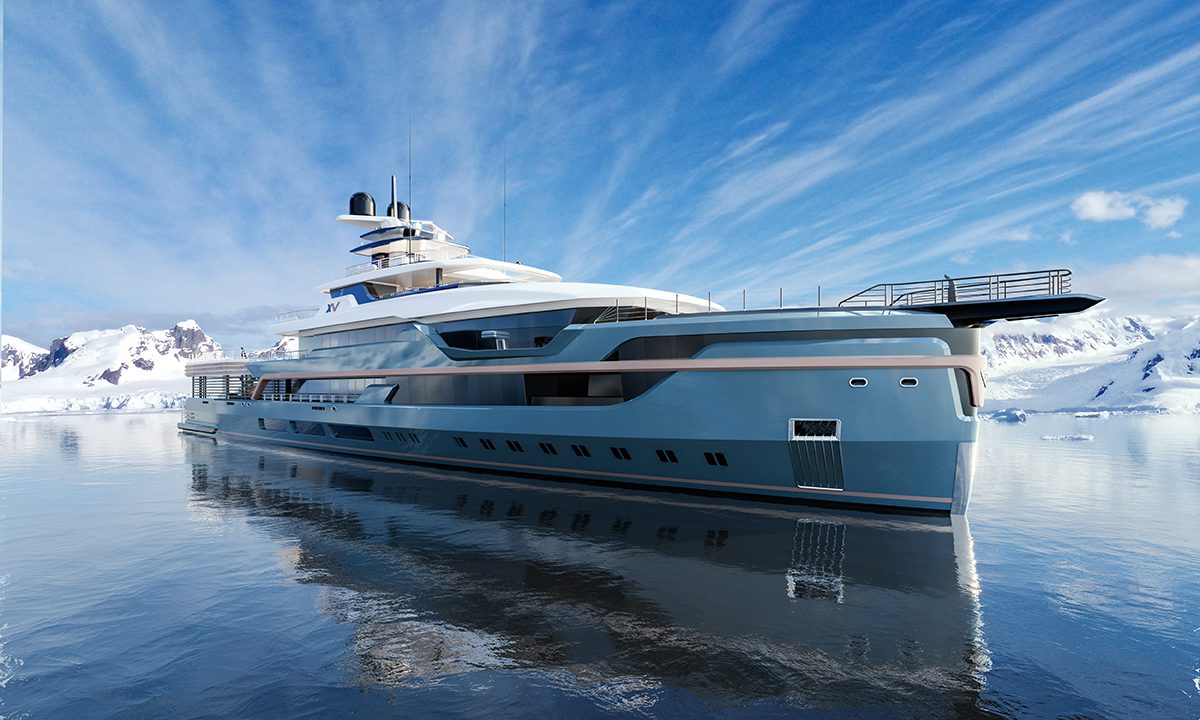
(311, 397)
(405, 258)
(1001, 286)
(217, 355)
(251, 355)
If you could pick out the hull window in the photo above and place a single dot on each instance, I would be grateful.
(272, 424)
(308, 428)
(574, 389)
(352, 432)
(514, 446)
(487, 444)
(667, 456)
(717, 459)
(548, 448)
(581, 450)
(461, 442)
(621, 453)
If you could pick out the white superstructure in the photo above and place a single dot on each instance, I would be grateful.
(417, 272)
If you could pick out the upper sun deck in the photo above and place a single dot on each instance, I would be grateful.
(409, 255)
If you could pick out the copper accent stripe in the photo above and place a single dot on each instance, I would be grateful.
(600, 473)
(972, 365)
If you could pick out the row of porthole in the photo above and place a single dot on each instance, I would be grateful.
(715, 459)
(362, 433)
(906, 382)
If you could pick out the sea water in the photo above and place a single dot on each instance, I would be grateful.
(148, 574)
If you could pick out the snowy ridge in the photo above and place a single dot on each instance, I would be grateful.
(1014, 346)
(124, 368)
(1095, 361)
(1090, 362)
(19, 358)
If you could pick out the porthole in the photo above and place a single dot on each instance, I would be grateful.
(908, 382)
(858, 382)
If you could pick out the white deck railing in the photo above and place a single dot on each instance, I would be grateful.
(397, 259)
(311, 397)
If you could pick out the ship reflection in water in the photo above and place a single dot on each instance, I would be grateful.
(620, 597)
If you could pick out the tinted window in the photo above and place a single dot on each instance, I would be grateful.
(352, 432)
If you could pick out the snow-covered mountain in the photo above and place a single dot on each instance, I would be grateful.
(125, 368)
(1095, 361)
(1014, 346)
(19, 358)
(1092, 361)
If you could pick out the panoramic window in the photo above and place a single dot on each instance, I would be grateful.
(508, 332)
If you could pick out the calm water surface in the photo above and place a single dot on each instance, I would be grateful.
(146, 574)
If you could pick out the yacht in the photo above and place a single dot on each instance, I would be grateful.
(423, 352)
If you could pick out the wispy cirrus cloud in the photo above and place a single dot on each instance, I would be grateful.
(193, 159)
(751, 31)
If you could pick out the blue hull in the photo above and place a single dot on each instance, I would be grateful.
(724, 432)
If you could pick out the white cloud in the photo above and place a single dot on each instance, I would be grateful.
(1100, 206)
(1164, 213)
(1155, 213)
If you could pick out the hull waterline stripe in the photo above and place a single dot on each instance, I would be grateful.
(972, 365)
(599, 473)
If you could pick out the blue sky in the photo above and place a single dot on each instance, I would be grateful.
(166, 161)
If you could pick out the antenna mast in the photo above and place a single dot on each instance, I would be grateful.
(504, 232)
(410, 157)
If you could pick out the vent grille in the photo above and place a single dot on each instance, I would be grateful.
(815, 429)
(816, 452)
